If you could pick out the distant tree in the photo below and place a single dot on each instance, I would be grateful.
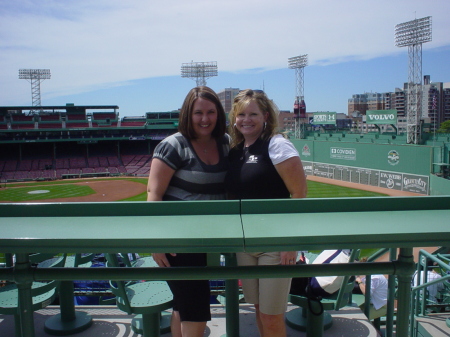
(445, 127)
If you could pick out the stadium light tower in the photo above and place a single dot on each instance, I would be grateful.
(299, 63)
(199, 71)
(35, 76)
(412, 34)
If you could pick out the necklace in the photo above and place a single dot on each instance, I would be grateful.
(204, 148)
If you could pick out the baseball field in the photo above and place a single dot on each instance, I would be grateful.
(134, 189)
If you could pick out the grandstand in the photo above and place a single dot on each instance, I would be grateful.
(78, 141)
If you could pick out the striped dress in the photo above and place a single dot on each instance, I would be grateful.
(193, 179)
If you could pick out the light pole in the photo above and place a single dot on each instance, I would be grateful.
(299, 63)
(412, 34)
(35, 76)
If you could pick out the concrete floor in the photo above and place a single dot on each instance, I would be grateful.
(111, 322)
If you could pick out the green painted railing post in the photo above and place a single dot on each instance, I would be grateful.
(231, 300)
(391, 296)
(9, 260)
(68, 321)
(24, 282)
(367, 295)
(66, 291)
(406, 264)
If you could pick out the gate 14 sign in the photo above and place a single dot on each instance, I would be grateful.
(324, 118)
(381, 116)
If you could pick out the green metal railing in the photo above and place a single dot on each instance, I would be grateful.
(222, 227)
(419, 295)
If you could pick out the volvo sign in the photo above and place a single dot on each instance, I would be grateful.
(381, 116)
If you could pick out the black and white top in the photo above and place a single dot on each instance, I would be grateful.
(252, 174)
(193, 179)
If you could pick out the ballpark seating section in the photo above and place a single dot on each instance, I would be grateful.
(46, 169)
(69, 142)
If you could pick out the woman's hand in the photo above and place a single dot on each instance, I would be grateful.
(288, 257)
(161, 259)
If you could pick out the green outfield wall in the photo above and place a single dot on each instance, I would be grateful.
(394, 166)
(439, 186)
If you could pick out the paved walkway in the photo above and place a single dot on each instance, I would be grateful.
(111, 322)
(108, 321)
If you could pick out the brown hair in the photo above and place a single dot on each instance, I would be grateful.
(241, 101)
(185, 120)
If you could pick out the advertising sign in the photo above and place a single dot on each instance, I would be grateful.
(324, 118)
(415, 183)
(342, 153)
(391, 180)
(381, 116)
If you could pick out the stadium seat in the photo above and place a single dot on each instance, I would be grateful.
(133, 260)
(146, 299)
(312, 316)
(69, 321)
(43, 293)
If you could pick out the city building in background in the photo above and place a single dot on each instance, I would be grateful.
(435, 107)
(226, 97)
(286, 121)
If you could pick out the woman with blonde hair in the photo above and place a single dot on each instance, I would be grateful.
(263, 165)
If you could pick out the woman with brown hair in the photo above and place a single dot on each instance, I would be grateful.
(191, 165)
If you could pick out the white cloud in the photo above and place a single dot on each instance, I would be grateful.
(95, 44)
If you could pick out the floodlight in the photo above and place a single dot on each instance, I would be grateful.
(35, 76)
(298, 61)
(199, 71)
(413, 32)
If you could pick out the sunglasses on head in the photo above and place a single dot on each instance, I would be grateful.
(256, 91)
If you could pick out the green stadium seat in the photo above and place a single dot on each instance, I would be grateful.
(146, 299)
(312, 316)
(69, 321)
(43, 293)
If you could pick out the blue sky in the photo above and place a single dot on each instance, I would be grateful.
(129, 53)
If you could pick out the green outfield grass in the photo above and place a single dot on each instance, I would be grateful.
(315, 190)
(65, 189)
(322, 190)
(44, 192)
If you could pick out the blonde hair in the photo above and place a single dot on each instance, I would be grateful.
(241, 101)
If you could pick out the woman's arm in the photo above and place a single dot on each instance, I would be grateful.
(158, 179)
(291, 171)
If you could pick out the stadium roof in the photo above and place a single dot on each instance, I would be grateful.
(69, 107)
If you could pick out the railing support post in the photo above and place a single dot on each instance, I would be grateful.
(391, 296)
(231, 300)
(405, 272)
(24, 281)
